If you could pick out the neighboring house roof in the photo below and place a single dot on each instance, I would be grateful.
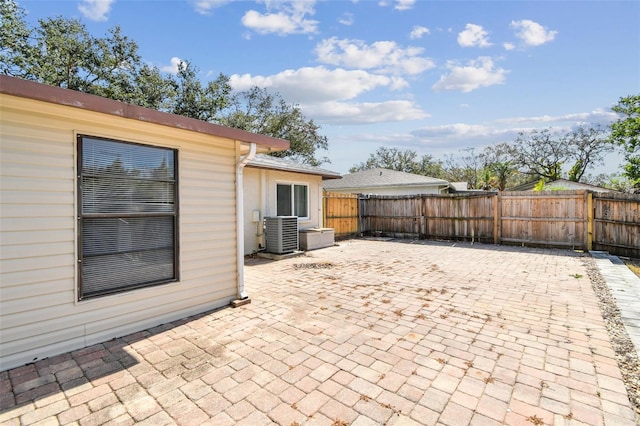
(382, 178)
(57, 95)
(561, 184)
(263, 161)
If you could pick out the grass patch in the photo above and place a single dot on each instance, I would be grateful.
(634, 265)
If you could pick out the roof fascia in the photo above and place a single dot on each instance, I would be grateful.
(41, 92)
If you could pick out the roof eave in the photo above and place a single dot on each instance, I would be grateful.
(325, 176)
(37, 91)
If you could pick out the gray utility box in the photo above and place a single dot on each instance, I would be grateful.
(315, 238)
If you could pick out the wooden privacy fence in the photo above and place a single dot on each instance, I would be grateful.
(616, 220)
(569, 219)
(556, 218)
(340, 212)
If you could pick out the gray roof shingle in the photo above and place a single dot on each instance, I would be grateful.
(263, 161)
(382, 177)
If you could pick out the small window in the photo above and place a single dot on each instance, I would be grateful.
(292, 200)
(127, 216)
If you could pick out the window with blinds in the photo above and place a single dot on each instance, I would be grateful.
(127, 217)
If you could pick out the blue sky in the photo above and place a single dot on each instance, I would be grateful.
(431, 76)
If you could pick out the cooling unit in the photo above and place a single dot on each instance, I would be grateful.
(281, 233)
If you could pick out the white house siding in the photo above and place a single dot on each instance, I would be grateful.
(260, 194)
(39, 312)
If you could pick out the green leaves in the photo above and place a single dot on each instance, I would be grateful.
(260, 111)
(14, 39)
(625, 132)
(61, 52)
(403, 161)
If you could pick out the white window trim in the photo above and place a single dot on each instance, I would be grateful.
(292, 183)
(79, 298)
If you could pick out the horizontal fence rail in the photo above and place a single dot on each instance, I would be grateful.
(569, 219)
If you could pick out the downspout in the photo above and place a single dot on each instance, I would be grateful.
(240, 221)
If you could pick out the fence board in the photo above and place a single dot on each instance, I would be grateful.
(569, 219)
(459, 217)
(547, 218)
(617, 224)
(398, 215)
(341, 213)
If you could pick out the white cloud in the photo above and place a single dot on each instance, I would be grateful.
(204, 7)
(404, 4)
(473, 35)
(319, 84)
(96, 10)
(382, 56)
(173, 68)
(343, 113)
(289, 17)
(459, 135)
(532, 33)
(506, 129)
(447, 139)
(418, 31)
(597, 116)
(346, 19)
(508, 46)
(326, 94)
(476, 74)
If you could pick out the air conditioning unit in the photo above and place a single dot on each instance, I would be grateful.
(281, 234)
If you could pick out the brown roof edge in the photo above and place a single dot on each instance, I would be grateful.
(57, 95)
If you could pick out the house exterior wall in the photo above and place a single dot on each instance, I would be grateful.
(40, 314)
(260, 194)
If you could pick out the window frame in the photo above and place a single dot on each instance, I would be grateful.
(292, 186)
(81, 216)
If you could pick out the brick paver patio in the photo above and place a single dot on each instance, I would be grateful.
(364, 333)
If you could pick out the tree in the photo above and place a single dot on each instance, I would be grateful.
(195, 100)
(587, 147)
(541, 153)
(468, 167)
(625, 132)
(259, 111)
(487, 180)
(389, 158)
(14, 39)
(403, 161)
(61, 52)
(152, 90)
(499, 160)
(428, 166)
(503, 171)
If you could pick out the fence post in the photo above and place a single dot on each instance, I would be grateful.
(496, 219)
(589, 207)
(423, 218)
(324, 209)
